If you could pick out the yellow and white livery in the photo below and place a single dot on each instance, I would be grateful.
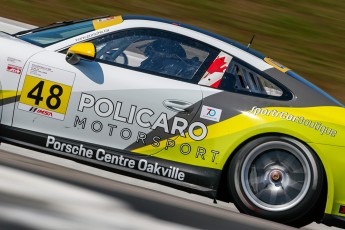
(180, 106)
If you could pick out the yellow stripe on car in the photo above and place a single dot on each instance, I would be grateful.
(106, 22)
(8, 93)
(305, 124)
(276, 64)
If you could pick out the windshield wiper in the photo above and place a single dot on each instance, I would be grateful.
(57, 24)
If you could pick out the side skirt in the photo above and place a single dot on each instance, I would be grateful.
(188, 178)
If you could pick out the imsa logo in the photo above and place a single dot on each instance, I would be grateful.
(41, 112)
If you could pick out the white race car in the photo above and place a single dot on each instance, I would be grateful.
(180, 106)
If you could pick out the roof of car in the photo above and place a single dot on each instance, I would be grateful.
(219, 37)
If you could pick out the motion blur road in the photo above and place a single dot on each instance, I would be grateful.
(39, 191)
(35, 194)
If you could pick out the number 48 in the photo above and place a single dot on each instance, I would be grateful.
(55, 93)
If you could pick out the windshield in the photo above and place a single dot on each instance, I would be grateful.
(51, 36)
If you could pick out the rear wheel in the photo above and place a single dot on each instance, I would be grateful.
(276, 178)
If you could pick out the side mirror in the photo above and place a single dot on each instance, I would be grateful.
(79, 51)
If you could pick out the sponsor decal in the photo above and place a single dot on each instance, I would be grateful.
(276, 64)
(41, 112)
(106, 22)
(145, 118)
(14, 61)
(210, 113)
(91, 35)
(317, 126)
(101, 155)
(48, 89)
(14, 69)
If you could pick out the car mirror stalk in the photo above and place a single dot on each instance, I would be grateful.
(80, 51)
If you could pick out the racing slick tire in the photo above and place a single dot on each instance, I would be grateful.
(277, 178)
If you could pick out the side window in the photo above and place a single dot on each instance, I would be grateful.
(155, 51)
(239, 78)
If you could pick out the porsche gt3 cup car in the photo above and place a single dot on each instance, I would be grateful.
(179, 106)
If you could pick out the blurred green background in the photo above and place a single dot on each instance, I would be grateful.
(307, 36)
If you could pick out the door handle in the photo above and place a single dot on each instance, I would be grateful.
(178, 106)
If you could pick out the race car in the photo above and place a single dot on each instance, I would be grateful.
(179, 106)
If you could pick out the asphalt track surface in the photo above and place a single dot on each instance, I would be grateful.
(54, 193)
(39, 191)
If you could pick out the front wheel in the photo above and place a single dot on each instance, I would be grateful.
(276, 178)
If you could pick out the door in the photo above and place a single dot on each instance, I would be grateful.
(137, 93)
